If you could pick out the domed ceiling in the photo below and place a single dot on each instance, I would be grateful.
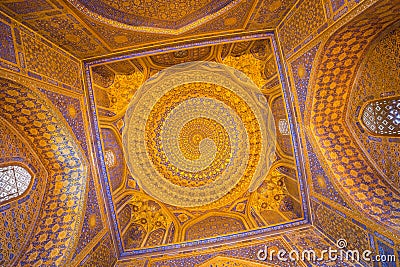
(200, 138)
(197, 144)
(199, 132)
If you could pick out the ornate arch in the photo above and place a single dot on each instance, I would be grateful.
(331, 84)
(35, 117)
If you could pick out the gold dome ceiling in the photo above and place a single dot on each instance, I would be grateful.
(190, 141)
(319, 65)
(202, 141)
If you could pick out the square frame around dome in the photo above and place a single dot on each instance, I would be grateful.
(98, 82)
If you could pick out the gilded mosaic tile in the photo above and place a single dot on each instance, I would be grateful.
(7, 50)
(47, 61)
(335, 70)
(70, 108)
(35, 117)
(302, 21)
(115, 162)
(102, 255)
(378, 83)
(19, 216)
(92, 219)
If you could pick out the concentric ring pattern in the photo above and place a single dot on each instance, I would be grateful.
(199, 133)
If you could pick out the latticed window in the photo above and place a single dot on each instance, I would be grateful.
(110, 158)
(283, 127)
(14, 181)
(382, 116)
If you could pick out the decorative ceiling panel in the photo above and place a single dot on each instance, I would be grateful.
(154, 16)
(269, 13)
(143, 219)
(88, 28)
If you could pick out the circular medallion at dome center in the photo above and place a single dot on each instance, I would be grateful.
(193, 110)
